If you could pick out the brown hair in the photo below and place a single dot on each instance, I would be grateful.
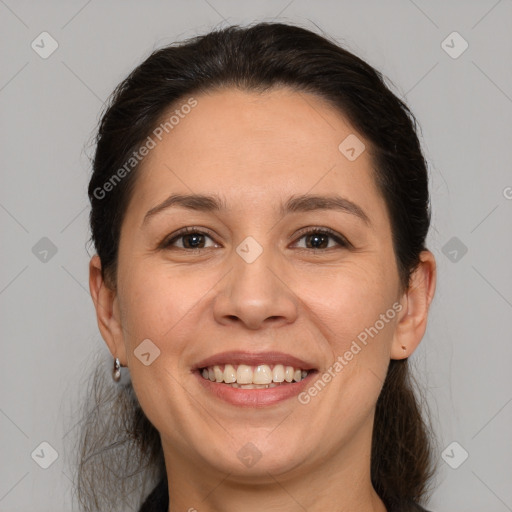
(256, 58)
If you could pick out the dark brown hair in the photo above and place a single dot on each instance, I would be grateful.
(257, 58)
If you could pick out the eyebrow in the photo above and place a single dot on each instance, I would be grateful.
(302, 203)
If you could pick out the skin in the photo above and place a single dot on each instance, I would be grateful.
(255, 151)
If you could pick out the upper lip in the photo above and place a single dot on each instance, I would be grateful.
(254, 359)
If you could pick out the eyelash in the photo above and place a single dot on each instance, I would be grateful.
(340, 240)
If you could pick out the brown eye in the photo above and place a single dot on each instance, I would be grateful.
(319, 239)
(188, 238)
(193, 241)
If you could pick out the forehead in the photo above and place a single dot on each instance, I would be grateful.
(248, 146)
(254, 129)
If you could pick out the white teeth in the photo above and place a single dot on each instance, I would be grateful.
(278, 373)
(244, 374)
(260, 376)
(219, 374)
(254, 386)
(229, 373)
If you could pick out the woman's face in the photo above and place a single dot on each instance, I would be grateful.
(255, 287)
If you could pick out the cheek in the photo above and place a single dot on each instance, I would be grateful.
(356, 317)
(155, 303)
(349, 301)
(165, 305)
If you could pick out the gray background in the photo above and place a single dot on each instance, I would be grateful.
(49, 110)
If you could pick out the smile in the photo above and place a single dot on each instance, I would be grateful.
(260, 376)
(248, 379)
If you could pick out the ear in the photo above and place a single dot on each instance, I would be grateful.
(412, 322)
(107, 311)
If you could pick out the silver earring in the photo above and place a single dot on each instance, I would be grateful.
(116, 374)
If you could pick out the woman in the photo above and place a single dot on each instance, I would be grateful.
(259, 210)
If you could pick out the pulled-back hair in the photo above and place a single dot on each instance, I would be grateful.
(118, 445)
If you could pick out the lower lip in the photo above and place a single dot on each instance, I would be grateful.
(254, 397)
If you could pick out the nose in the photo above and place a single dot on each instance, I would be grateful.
(254, 294)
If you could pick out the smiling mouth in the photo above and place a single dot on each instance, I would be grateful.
(260, 376)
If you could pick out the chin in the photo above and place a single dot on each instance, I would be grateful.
(257, 457)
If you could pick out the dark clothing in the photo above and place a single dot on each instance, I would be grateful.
(158, 501)
(408, 507)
